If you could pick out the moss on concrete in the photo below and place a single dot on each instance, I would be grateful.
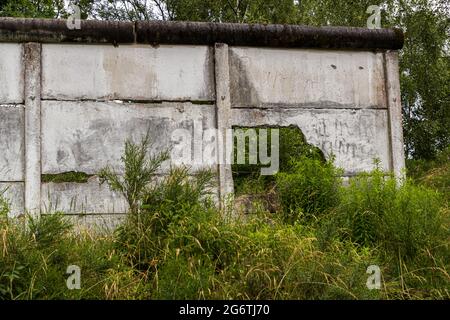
(71, 176)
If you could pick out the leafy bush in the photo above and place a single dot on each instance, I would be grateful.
(310, 188)
(165, 203)
(376, 210)
(292, 147)
(139, 171)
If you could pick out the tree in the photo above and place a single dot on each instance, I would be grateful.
(32, 8)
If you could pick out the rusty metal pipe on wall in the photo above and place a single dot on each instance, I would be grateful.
(200, 33)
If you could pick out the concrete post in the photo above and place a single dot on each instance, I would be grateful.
(395, 113)
(32, 60)
(223, 105)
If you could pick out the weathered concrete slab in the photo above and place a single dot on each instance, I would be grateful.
(355, 137)
(11, 73)
(13, 192)
(263, 78)
(89, 197)
(11, 142)
(96, 222)
(87, 136)
(135, 72)
(223, 102)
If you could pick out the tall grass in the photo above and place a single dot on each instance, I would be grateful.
(175, 243)
(407, 223)
(310, 188)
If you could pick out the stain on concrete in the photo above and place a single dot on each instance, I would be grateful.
(242, 91)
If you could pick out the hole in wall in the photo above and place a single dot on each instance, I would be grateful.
(254, 191)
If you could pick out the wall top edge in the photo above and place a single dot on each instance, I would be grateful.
(199, 33)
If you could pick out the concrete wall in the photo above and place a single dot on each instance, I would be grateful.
(12, 124)
(70, 107)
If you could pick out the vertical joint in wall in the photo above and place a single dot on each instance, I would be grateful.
(32, 62)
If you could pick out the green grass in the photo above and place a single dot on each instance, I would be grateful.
(434, 174)
(179, 246)
(176, 244)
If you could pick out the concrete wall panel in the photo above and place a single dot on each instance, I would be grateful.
(13, 192)
(87, 136)
(263, 78)
(355, 137)
(89, 197)
(96, 222)
(134, 72)
(11, 142)
(11, 73)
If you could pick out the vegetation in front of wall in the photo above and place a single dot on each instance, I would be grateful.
(433, 173)
(251, 186)
(178, 245)
(292, 146)
(309, 189)
(139, 171)
(70, 176)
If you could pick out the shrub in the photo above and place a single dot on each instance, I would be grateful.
(139, 171)
(292, 147)
(376, 210)
(165, 204)
(310, 188)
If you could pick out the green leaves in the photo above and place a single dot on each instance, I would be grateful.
(139, 171)
(376, 210)
(311, 187)
(32, 8)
